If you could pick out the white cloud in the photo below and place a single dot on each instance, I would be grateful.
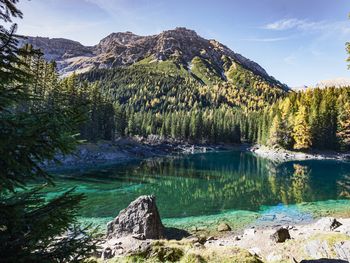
(285, 24)
(276, 39)
(342, 27)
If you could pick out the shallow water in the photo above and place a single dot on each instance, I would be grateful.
(206, 188)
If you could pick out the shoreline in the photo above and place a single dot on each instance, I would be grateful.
(282, 155)
(126, 150)
(269, 217)
(326, 237)
(313, 240)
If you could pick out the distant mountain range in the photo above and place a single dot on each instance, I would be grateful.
(123, 49)
(329, 83)
(337, 83)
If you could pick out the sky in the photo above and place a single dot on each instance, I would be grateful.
(299, 42)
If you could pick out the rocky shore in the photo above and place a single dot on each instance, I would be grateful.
(130, 149)
(126, 150)
(282, 155)
(138, 235)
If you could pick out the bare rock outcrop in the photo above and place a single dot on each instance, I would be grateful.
(126, 48)
(140, 220)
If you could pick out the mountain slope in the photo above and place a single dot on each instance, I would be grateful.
(123, 49)
(175, 70)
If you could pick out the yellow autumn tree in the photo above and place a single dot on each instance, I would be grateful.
(301, 130)
(344, 126)
(275, 132)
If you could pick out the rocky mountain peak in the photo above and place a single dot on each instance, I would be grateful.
(121, 38)
(127, 48)
(179, 32)
(58, 48)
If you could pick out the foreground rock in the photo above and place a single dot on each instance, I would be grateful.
(140, 220)
(327, 224)
(281, 235)
(321, 241)
(223, 227)
(331, 250)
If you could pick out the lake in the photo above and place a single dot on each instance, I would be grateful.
(204, 189)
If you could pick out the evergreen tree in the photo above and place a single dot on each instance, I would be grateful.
(33, 229)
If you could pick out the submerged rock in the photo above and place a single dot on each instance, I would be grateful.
(281, 235)
(139, 219)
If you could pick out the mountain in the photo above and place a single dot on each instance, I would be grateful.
(124, 49)
(300, 88)
(337, 83)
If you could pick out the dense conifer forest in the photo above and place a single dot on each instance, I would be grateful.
(163, 99)
(153, 99)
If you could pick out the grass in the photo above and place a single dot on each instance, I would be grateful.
(185, 251)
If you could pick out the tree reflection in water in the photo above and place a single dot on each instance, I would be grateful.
(210, 183)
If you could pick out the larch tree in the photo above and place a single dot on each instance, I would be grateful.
(344, 127)
(275, 132)
(301, 130)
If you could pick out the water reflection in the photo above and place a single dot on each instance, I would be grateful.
(205, 184)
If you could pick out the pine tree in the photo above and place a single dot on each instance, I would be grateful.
(33, 229)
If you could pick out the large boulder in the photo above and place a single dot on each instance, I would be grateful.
(140, 219)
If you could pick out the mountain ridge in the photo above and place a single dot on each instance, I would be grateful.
(126, 48)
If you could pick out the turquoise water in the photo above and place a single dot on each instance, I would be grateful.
(202, 189)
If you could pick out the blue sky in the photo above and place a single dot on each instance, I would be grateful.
(297, 41)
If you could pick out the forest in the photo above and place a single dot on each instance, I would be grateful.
(244, 109)
(162, 100)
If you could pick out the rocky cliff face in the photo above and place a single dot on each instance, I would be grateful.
(123, 49)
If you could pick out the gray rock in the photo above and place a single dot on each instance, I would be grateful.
(281, 235)
(342, 249)
(274, 257)
(317, 249)
(202, 239)
(193, 239)
(139, 236)
(249, 232)
(107, 253)
(344, 229)
(140, 218)
(224, 227)
(327, 224)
